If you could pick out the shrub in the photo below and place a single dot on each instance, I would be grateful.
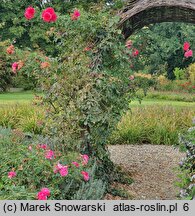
(179, 73)
(144, 81)
(14, 76)
(153, 124)
(191, 72)
(5, 72)
(33, 168)
(86, 85)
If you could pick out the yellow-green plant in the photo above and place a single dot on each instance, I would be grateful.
(191, 71)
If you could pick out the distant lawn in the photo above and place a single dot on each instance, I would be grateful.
(148, 102)
(27, 97)
(171, 96)
(17, 97)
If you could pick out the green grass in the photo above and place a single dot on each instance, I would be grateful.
(149, 102)
(171, 96)
(26, 97)
(17, 97)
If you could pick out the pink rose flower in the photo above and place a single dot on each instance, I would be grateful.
(49, 15)
(75, 163)
(131, 77)
(41, 196)
(129, 43)
(45, 191)
(43, 146)
(135, 52)
(85, 175)
(86, 49)
(64, 171)
(30, 148)
(10, 50)
(186, 46)
(29, 13)
(58, 167)
(49, 154)
(14, 67)
(11, 174)
(85, 159)
(76, 14)
(188, 54)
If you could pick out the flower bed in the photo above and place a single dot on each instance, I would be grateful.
(33, 170)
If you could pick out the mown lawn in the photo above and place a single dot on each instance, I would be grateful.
(17, 97)
(27, 96)
(147, 102)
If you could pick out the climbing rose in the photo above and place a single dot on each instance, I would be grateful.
(86, 49)
(45, 65)
(129, 44)
(49, 15)
(45, 191)
(131, 77)
(135, 52)
(29, 13)
(85, 175)
(58, 167)
(14, 67)
(20, 64)
(64, 171)
(43, 146)
(75, 163)
(75, 15)
(49, 154)
(11, 174)
(41, 196)
(10, 50)
(186, 46)
(85, 159)
(188, 54)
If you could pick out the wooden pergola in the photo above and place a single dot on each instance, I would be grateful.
(140, 13)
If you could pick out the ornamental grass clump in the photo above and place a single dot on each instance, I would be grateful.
(153, 125)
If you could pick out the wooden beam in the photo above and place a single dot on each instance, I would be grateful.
(139, 13)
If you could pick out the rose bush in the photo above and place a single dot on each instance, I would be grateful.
(87, 86)
(86, 89)
(28, 173)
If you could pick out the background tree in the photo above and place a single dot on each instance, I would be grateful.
(161, 47)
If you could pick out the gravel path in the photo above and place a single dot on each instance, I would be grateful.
(153, 169)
